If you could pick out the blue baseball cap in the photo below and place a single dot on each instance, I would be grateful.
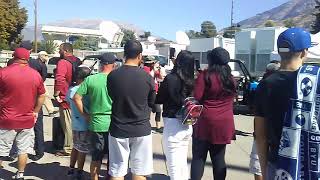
(294, 40)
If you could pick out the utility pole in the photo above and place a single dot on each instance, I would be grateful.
(232, 13)
(232, 27)
(35, 25)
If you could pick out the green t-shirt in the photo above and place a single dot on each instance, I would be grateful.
(95, 87)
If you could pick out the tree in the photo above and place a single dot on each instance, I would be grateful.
(78, 44)
(128, 35)
(231, 31)
(4, 45)
(90, 43)
(208, 29)
(315, 27)
(12, 22)
(289, 23)
(49, 46)
(194, 34)
(269, 23)
(145, 35)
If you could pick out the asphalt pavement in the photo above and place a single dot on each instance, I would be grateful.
(51, 167)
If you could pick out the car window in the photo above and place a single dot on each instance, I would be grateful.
(162, 60)
(89, 62)
(53, 61)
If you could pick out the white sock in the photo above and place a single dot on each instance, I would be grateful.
(20, 174)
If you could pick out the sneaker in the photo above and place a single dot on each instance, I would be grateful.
(62, 154)
(20, 178)
(17, 178)
(9, 158)
(35, 157)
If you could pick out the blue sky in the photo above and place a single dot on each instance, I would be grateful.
(161, 17)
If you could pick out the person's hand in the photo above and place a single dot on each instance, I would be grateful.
(86, 117)
(35, 116)
(58, 99)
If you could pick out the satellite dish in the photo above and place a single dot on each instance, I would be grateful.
(108, 30)
(182, 38)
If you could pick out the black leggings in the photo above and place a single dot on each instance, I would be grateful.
(199, 156)
(157, 109)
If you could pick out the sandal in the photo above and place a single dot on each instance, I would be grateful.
(62, 153)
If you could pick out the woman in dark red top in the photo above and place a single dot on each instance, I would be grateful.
(215, 88)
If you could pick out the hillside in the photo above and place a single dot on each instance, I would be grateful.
(298, 10)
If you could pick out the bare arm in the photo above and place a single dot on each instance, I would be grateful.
(262, 143)
(39, 103)
(79, 104)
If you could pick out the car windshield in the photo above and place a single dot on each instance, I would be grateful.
(162, 60)
(89, 62)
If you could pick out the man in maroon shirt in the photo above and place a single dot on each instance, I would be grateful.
(63, 80)
(21, 97)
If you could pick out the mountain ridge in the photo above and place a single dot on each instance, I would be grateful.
(300, 11)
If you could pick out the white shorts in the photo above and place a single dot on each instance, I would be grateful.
(139, 149)
(24, 140)
(254, 161)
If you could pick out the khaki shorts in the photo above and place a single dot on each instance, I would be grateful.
(24, 140)
(81, 141)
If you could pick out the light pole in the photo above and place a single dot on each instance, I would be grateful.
(35, 25)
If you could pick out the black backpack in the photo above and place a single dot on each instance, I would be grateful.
(75, 64)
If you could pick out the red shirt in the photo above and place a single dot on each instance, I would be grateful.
(63, 79)
(20, 86)
(216, 124)
(156, 75)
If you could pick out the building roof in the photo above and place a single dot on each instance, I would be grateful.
(71, 31)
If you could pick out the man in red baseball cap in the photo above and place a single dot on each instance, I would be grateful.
(21, 97)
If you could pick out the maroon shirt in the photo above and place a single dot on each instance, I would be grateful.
(20, 86)
(216, 124)
(63, 79)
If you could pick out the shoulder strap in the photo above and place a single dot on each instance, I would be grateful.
(74, 65)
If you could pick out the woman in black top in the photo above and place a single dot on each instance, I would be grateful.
(177, 86)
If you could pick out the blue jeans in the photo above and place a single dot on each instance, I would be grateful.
(271, 171)
(39, 136)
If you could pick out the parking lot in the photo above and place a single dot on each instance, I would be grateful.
(52, 167)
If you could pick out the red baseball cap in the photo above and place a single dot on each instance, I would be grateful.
(21, 53)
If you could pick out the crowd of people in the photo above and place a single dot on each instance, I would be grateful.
(107, 115)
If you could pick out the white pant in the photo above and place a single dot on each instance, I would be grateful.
(136, 151)
(176, 138)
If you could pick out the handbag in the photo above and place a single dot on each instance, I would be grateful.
(190, 111)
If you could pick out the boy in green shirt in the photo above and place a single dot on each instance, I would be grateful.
(99, 117)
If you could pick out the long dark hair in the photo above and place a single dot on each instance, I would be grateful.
(184, 68)
(223, 70)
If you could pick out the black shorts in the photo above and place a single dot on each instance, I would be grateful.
(99, 145)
